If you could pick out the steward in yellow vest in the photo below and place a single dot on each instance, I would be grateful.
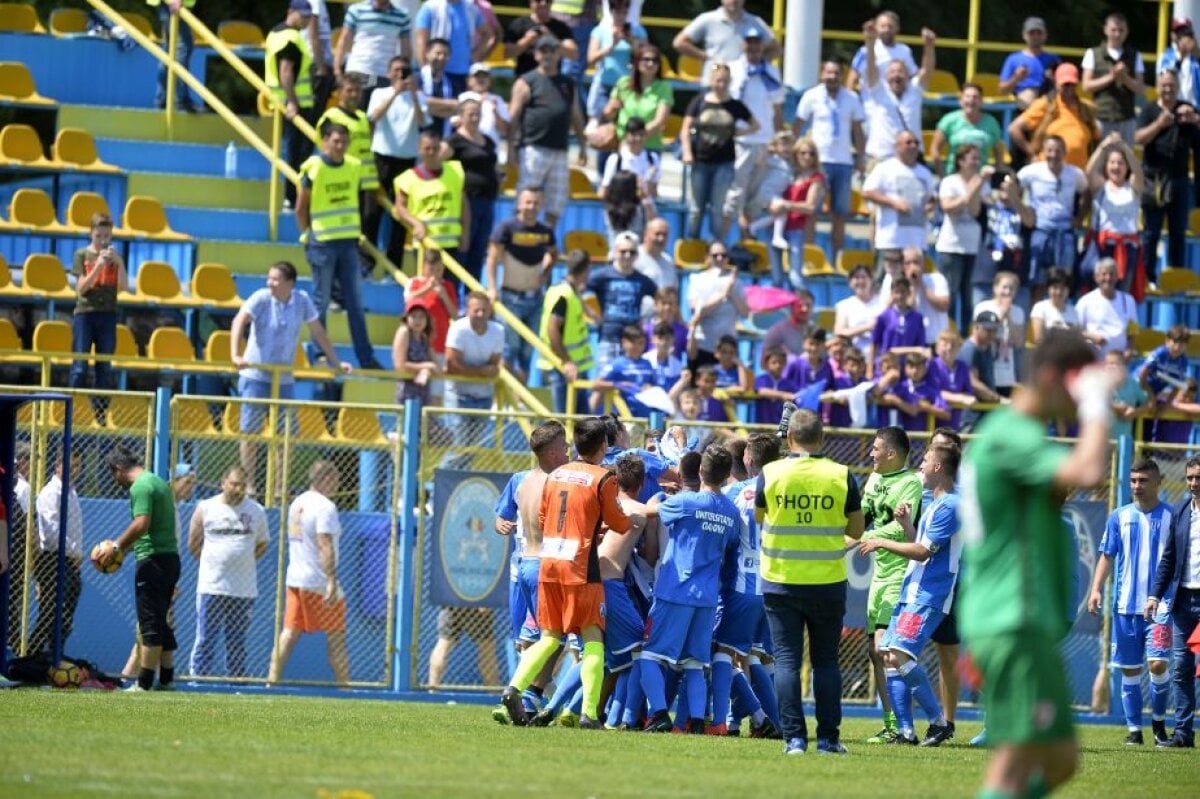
(564, 323)
(348, 113)
(429, 197)
(286, 72)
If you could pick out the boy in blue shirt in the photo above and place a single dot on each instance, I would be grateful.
(731, 372)
(629, 373)
(703, 530)
(1167, 369)
(668, 365)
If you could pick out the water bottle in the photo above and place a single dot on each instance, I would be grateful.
(231, 160)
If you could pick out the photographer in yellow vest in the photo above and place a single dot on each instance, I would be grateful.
(429, 198)
(286, 68)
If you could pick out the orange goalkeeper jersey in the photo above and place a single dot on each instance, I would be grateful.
(577, 500)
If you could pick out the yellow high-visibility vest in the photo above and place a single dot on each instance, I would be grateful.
(438, 202)
(277, 42)
(359, 126)
(804, 526)
(333, 208)
(575, 329)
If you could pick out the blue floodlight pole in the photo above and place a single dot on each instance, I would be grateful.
(60, 589)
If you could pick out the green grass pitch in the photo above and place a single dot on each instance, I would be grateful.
(66, 744)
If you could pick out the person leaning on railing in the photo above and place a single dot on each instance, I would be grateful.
(286, 72)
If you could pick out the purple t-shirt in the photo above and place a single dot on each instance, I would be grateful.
(713, 410)
(1172, 431)
(956, 379)
(894, 329)
(837, 414)
(680, 345)
(768, 411)
(803, 373)
(727, 378)
(928, 389)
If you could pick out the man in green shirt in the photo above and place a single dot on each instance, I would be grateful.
(151, 536)
(1017, 564)
(890, 485)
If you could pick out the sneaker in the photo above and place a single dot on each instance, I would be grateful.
(1134, 738)
(885, 736)
(795, 746)
(1160, 733)
(135, 689)
(696, 727)
(980, 739)
(905, 738)
(500, 715)
(586, 723)
(511, 699)
(937, 734)
(717, 729)
(659, 722)
(779, 243)
(568, 719)
(950, 724)
(1179, 742)
(543, 718)
(766, 730)
(827, 747)
(734, 732)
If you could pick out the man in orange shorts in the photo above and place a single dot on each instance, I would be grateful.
(576, 499)
(315, 601)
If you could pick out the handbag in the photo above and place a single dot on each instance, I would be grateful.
(602, 137)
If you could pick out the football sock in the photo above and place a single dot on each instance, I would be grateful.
(592, 671)
(697, 695)
(1160, 690)
(532, 661)
(1036, 788)
(763, 679)
(616, 700)
(722, 683)
(995, 793)
(653, 683)
(889, 719)
(744, 702)
(917, 678)
(635, 697)
(566, 689)
(681, 703)
(166, 676)
(576, 703)
(1131, 700)
(898, 690)
(674, 679)
(146, 678)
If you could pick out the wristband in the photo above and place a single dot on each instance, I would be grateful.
(1095, 407)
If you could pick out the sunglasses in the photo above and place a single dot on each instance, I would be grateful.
(549, 48)
(719, 256)
(649, 60)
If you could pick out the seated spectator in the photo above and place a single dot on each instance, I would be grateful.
(711, 408)
(1105, 312)
(794, 214)
(1060, 112)
(717, 35)
(1056, 310)
(773, 387)
(1010, 337)
(620, 290)
(854, 316)
(1054, 188)
(477, 153)
(669, 365)
(1130, 399)
(898, 329)
(645, 93)
(952, 374)
(717, 301)
(1029, 73)
(1167, 368)
(905, 192)
(437, 295)
(610, 51)
(758, 85)
(522, 34)
(1115, 181)
(813, 366)
(398, 112)
(791, 331)
(412, 351)
(654, 261)
(629, 184)
(666, 312)
(922, 390)
(731, 372)
(961, 195)
(629, 373)
(1003, 245)
(977, 352)
(968, 125)
(494, 118)
(891, 95)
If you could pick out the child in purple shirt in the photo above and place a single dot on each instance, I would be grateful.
(813, 365)
(666, 310)
(1177, 431)
(899, 327)
(711, 408)
(952, 374)
(922, 391)
(772, 387)
(854, 364)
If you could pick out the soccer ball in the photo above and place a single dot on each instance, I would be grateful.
(114, 564)
(65, 675)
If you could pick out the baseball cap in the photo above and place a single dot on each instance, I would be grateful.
(1034, 24)
(300, 5)
(1066, 73)
(1182, 25)
(987, 320)
(547, 40)
(478, 67)
(184, 469)
(752, 32)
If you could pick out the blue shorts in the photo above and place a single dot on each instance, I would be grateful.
(623, 625)
(527, 629)
(838, 178)
(911, 628)
(739, 618)
(679, 633)
(253, 414)
(516, 605)
(763, 644)
(1135, 641)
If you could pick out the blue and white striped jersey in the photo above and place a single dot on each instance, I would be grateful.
(1135, 541)
(740, 575)
(932, 582)
(506, 508)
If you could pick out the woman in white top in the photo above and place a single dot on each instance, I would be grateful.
(854, 317)
(1055, 310)
(1115, 180)
(1010, 338)
(961, 196)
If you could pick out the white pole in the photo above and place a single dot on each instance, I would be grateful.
(802, 42)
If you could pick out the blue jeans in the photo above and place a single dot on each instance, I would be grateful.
(1049, 248)
(526, 306)
(1175, 212)
(338, 260)
(88, 328)
(795, 242)
(710, 184)
(183, 54)
(1185, 615)
(558, 391)
(957, 268)
(788, 618)
(483, 217)
(216, 616)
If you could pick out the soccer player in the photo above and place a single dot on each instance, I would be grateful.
(703, 531)
(576, 498)
(1133, 540)
(890, 485)
(945, 638)
(925, 596)
(1017, 563)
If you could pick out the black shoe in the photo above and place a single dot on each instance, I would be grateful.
(1134, 738)
(937, 734)
(765, 730)
(586, 723)
(906, 738)
(511, 699)
(1179, 742)
(695, 727)
(542, 718)
(950, 724)
(659, 722)
(1160, 733)
(371, 364)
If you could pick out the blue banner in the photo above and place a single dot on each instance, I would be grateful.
(468, 560)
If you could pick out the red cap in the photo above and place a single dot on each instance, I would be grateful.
(1181, 22)
(1066, 73)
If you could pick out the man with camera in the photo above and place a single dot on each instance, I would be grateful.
(523, 33)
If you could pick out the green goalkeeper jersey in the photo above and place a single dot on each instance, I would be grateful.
(882, 494)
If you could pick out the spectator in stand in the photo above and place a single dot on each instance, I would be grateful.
(629, 373)
(731, 372)
(1056, 191)
(564, 328)
(899, 328)
(184, 42)
(527, 250)
(373, 32)
(544, 110)
(813, 366)
(834, 117)
(887, 49)
(952, 374)
(968, 125)
(581, 17)
(610, 51)
(439, 90)
(892, 96)
(906, 192)
(45, 558)
(398, 112)
(1003, 246)
(1029, 73)
(1169, 135)
(523, 33)
(620, 290)
(1182, 59)
(931, 293)
(1115, 183)
(717, 301)
(978, 354)
(717, 35)
(320, 44)
(1180, 402)
(1010, 334)
(642, 92)
(653, 261)
(437, 295)
(412, 351)
(1129, 399)
(791, 331)
(629, 183)
(430, 200)
(1056, 310)
(666, 312)
(1062, 113)
(286, 73)
(772, 386)
(494, 119)
(920, 389)
(476, 151)
(474, 347)
(461, 24)
(961, 194)
(854, 316)
(759, 87)
(669, 365)
(710, 125)
(794, 211)
(100, 275)
(1167, 368)
(1105, 312)
(711, 408)
(1113, 73)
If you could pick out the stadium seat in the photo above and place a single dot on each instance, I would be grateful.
(126, 349)
(691, 254)
(303, 367)
(580, 185)
(10, 341)
(16, 85)
(815, 261)
(671, 130)
(7, 287)
(83, 416)
(44, 276)
(1176, 280)
(141, 23)
(170, 343)
(1147, 339)
(509, 184)
(849, 259)
(335, 36)
(359, 425)
(310, 423)
(989, 82)
(212, 284)
(145, 216)
(31, 209)
(216, 349)
(193, 417)
(82, 207)
(20, 146)
(1193, 228)
(53, 335)
(19, 18)
(762, 258)
(594, 243)
(76, 149)
(128, 413)
(825, 318)
(68, 22)
(689, 68)
(231, 419)
(496, 57)
(942, 82)
(237, 33)
(156, 284)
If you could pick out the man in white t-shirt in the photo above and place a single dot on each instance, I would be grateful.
(45, 558)
(892, 104)
(1054, 190)
(887, 49)
(474, 347)
(654, 261)
(757, 84)
(904, 192)
(1105, 312)
(315, 600)
(931, 293)
(228, 533)
(833, 116)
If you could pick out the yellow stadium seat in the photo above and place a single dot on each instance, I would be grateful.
(989, 82)
(496, 58)
(509, 184)
(19, 18)
(942, 82)
(7, 287)
(76, 149)
(360, 425)
(334, 37)
(1147, 339)
(310, 423)
(671, 129)
(141, 23)
(127, 413)
(231, 419)
(1193, 228)
(82, 413)
(212, 284)
(145, 216)
(193, 417)
(825, 319)
(689, 68)
(9, 339)
(17, 85)
(580, 185)
(595, 244)
(237, 33)
(170, 343)
(815, 261)
(20, 146)
(68, 22)
(52, 336)
(216, 350)
(762, 258)
(691, 254)
(303, 367)
(44, 276)
(31, 209)
(847, 260)
(1176, 280)
(83, 206)
(157, 283)
(126, 349)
